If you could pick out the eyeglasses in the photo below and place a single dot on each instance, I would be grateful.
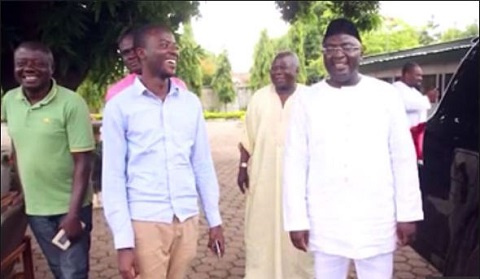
(126, 52)
(347, 49)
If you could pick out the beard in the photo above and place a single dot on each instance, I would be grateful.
(159, 71)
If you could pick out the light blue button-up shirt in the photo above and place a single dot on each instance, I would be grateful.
(156, 161)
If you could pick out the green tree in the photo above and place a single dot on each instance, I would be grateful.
(429, 33)
(209, 65)
(296, 39)
(189, 68)
(451, 34)
(93, 93)
(363, 13)
(315, 70)
(393, 35)
(314, 17)
(281, 44)
(455, 33)
(471, 29)
(82, 34)
(263, 56)
(222, 80)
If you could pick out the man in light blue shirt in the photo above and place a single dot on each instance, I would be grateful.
(156, 162)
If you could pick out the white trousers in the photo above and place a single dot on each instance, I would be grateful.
(336, 267)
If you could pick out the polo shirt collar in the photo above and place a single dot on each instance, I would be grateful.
(46, 100)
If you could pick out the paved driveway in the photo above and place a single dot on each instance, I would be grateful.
(223, 138)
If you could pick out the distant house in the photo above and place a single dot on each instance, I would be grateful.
(438, 61)
(240, 83)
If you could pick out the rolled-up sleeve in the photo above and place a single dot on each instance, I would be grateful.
(206, 179)
(295, 171)
(114, 189)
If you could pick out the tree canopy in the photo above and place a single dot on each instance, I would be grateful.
(309, 19)
(379, 34)
(208, 63)
(82, 34)
(222, 79)
(263, 56)
(392, 35)
(363, 13)
(189, 68)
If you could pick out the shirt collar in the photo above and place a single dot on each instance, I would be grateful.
(46, 100)
(141, 89)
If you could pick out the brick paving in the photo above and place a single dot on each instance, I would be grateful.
(223, 138)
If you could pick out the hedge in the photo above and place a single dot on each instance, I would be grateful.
(224, 115)
(207, 114)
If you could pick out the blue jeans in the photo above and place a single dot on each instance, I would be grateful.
(72, 263)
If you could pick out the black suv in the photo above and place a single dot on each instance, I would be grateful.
(449, 176)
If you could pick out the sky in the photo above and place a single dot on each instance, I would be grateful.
(236, 25)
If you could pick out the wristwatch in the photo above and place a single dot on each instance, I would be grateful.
(243, 165)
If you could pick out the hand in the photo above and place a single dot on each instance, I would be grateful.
(405, 233)
(216, 234)
(242, 179)
(72, 225)
(432, 95)
(300, 239)
(126, 263)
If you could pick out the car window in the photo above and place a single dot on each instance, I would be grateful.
(458, 112)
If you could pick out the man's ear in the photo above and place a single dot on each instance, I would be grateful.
(140, 53)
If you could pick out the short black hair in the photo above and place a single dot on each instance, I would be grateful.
(37, 46)
(407, 67)
(127, 32)
(142, 33)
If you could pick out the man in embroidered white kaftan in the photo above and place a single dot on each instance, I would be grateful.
(269, 252)
(351, 189)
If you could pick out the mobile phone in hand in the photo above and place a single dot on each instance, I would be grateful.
(61, 240)
(217, 249)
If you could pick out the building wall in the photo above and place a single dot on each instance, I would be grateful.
(427, 70)
(438, 68)
(435, 75)
(210, 100)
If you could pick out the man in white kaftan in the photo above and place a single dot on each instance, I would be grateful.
(269, 252)
(416, 104)
(351, 187)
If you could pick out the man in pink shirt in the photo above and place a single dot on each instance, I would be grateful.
(130, 59)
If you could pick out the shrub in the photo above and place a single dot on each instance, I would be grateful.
(207, 114)
(224, 115)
